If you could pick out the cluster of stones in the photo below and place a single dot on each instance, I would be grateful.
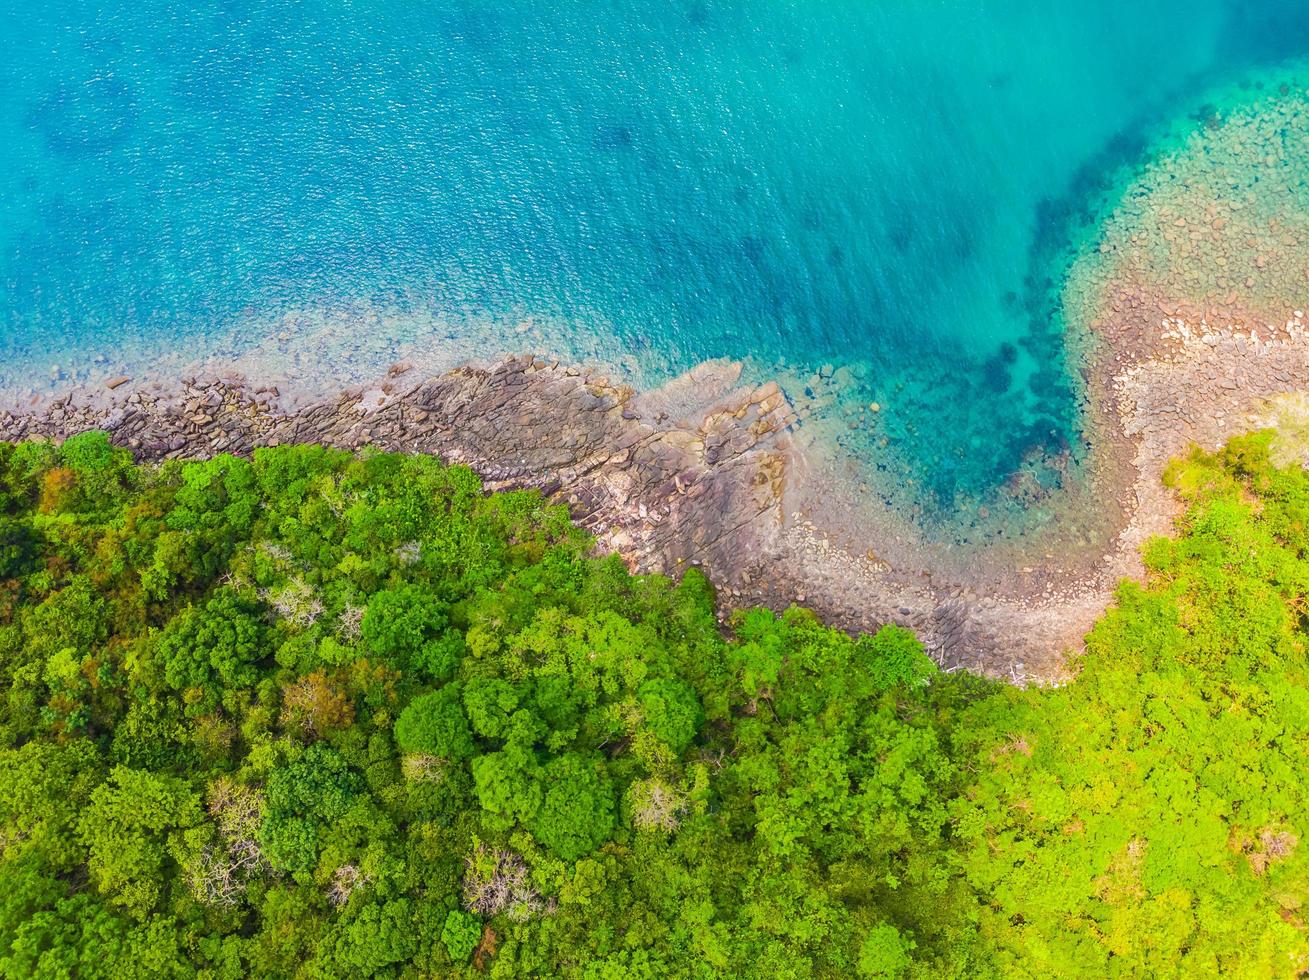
(1212, 237)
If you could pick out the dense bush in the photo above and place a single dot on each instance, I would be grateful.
(323, 715)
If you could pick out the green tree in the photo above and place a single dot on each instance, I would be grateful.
(303, 798)
(132, 834)
(671, 710)
(434, 724)
(508, 785)
(399, 622)
(577, 812)
(460, 935)
(213, 647)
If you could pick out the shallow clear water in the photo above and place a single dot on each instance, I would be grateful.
(887, 184)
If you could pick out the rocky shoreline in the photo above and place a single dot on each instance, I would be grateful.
(689, 475)
(699, 473)
(707, 473)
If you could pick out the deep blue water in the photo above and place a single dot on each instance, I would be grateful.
(885, 183)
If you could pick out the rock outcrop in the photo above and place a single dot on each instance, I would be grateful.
(671, 482)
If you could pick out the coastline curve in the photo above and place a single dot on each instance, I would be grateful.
(1192, 297)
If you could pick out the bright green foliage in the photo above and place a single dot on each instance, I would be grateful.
(893, 656)
(205, 650)
(400, 621)
(884, 953)
(489, 703)
(326, 715)
(302, 799)
(577, 812)
(460, 935)
(508, 785)
(130, 830)
(88, 452)
(373, 943)
(212, 512)
(1149, 818)
(434, 724)
(671, 711)
(43, 787)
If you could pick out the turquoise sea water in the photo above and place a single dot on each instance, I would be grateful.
(884, 184)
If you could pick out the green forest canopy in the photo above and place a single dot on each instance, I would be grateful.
(327, 715)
